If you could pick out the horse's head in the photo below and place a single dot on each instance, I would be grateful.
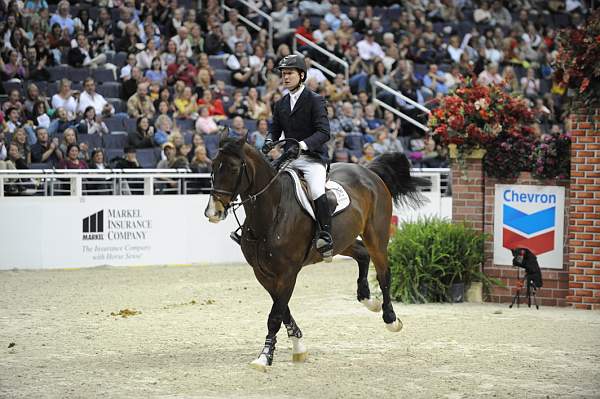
(229, 176)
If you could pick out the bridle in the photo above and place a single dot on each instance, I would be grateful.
(234, 205)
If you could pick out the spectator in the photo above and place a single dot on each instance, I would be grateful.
(35, 68)
(435, 81)
(182, 43)
(196, 39)
(128, 161)
(305, 31)
(500, 15)
(205, 124)
(169, 152)
(129, 86)
(89, 97)
(92, 123)
(203, 81)
(65, 99)
(257, 109)
(14, 68)
(44, 150)
(60, 122)
(146, 57)
(34, 96)
(72, 160)
(186, 106)
(143, 136)
(163, 124)
(156, 73)
(482, 14)
(3, 147)
(20, 140)
(126, 70)
(335, 17)
(130, 40)
(62, 17)
(201, 163)
(510, 81)
(368, 155)
(13, 120)
(182, 70)
(368, 49)
(239, 105)
(215, 106)
(140, 104)
(258, 137)
(84, 55)
(70, 138)
(169, 56)
(490, 75)
(241, 36)
(15, 155)
(229, 27)
(83, 22)
(246, 76)
(238, 129)
(530, 84)
(314, 73)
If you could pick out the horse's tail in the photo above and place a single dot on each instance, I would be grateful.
(394, 170)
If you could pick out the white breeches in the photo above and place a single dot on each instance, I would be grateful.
(314, 173)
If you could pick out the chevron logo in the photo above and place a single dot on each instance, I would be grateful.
(529, 230)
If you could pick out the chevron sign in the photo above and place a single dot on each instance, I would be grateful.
(529, 217)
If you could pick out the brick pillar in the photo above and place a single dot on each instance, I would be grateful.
(468, 192)
(584, 210)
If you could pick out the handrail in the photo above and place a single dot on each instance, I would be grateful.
(244, 19)
(400, 114)
(402, 96)
(265, 16)
(322, 51)
(321, 67)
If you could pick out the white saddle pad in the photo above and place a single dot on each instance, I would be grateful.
(342, 197)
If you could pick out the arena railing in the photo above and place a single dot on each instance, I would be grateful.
(252, 24)
(398, 94)
(69, 182)
(320, 49)
(51, 182)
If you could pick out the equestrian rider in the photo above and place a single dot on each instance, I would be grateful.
(301, 114)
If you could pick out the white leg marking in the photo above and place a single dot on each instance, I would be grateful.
(374, 305)
(260, 363)
(299, 353)
(395, 326)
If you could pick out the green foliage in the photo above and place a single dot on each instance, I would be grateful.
(428, 256)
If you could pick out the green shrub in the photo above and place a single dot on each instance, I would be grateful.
(428, 256)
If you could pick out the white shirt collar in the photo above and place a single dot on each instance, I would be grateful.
(295, 96)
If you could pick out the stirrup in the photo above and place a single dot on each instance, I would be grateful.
(324, 246)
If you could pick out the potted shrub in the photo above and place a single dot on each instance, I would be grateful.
(429, 256)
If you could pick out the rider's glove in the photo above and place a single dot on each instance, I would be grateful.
(268, 146)
(292, 152)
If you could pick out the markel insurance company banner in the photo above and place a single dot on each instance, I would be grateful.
(529, 217)
(67, 232)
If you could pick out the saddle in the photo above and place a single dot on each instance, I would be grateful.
(337, 196)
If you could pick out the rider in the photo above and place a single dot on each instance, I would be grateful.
(301, 114)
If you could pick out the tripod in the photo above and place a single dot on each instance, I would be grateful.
(531, 289)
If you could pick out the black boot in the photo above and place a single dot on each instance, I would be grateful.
(324, 239)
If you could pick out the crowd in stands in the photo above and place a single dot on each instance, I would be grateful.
(90, 84)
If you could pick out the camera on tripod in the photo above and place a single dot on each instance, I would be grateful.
(525, 259)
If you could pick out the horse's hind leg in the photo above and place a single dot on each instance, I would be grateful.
(376, 244)
(299, 353)
(359, 253)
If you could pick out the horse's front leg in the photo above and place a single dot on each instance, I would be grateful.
(299, 352)
(276, 316)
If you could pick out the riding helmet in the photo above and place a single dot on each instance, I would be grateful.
(293, 61)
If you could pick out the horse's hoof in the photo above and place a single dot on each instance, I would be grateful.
(374, 305)
(395, 326)
(260, 364)
(299, 357)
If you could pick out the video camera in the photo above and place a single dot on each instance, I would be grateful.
(524, 258)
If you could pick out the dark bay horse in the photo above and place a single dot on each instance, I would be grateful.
(277, 235)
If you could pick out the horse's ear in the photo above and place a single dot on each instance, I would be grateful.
(223, 132)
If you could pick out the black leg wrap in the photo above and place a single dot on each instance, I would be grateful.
(292, 329)
(363, 291)
(269, 349)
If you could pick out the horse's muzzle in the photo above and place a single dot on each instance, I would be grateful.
(215, 210)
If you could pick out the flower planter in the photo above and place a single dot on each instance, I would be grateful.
(478, 153)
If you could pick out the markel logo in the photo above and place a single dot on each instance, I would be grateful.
(525, 228)
(119, 224)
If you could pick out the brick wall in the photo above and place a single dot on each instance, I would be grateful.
(584, 223)
(467, 192)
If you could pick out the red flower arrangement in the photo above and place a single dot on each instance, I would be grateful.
(481, 117)
(578, 59)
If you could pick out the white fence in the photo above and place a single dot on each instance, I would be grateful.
(83, 229)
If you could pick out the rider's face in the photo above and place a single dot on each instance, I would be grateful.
(291, 78)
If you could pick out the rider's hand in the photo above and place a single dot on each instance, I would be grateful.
(268, 146)
(293, 151)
